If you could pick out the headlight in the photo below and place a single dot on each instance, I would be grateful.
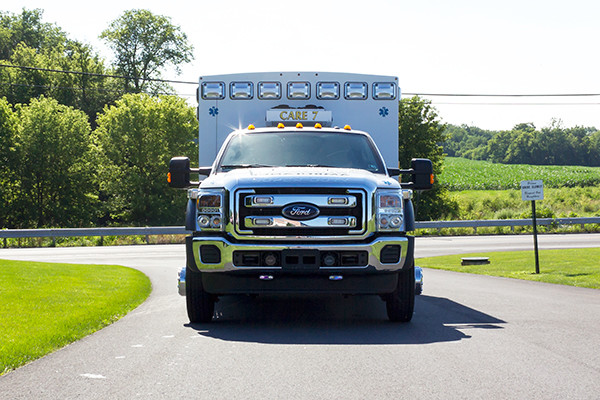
(389, 211)
(211, 214)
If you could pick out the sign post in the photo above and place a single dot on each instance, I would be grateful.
(532, 191)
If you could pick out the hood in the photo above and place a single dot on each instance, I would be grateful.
(299, 177)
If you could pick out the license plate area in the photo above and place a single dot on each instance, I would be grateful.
(300, 260)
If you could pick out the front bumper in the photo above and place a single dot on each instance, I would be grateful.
(418, 280)
(221, 257)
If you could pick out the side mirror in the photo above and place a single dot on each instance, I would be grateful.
(179, 172)
(422, 175)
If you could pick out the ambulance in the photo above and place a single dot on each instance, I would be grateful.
(298, 191)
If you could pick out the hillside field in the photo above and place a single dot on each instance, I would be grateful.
(464, 174)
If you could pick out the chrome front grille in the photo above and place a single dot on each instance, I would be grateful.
(261, 212)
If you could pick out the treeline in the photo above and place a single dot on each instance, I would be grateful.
(525, 144)
(79, 144)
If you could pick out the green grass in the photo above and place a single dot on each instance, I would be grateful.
(44, 306)
(574, 267)
(464, 174)
(507, 204)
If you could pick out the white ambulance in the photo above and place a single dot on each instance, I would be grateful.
(298, 190)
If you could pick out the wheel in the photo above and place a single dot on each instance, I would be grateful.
(200, 305)
(400, 303)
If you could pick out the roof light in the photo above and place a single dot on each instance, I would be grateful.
(328, 90)
(318, 125)
(384, 90)
(299, 125)
(241, 90)
(213, 90)
(347, 127)
(269, 90)
(251, 127)
(298, 90)
(280, 125)
(355, 91)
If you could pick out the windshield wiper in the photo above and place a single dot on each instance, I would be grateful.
(234, 166)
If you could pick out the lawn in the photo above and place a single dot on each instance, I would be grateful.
(574, 267)
(44, 306)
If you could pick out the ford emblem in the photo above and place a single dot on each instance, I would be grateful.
(300, 211)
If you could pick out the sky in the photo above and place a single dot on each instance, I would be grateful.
(490, 47)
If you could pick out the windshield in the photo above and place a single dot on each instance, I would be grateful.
(301, 149)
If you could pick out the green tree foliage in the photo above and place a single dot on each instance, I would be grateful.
(25, 41)
(54, 169)
(144, 44)
(8, 160)
(524, 144)
(420, 136)
(466, 141)
(27, 28)
(136, 138)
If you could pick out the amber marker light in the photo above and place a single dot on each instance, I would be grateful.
(280, 125)
(251, 127)
(169, 177)
(318, 126)
(348, 127)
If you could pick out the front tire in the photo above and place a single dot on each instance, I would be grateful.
(400, 303)
(200, 304)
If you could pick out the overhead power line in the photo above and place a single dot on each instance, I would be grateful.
(502, 95)
(514, 95)
(93, 74)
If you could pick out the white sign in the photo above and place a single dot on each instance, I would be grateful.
(532, 190)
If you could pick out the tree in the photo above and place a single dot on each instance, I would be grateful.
(8, 160)
(144, 44)
(136, 138)
(32, 48)
(28, 29)
(54, 166)
(420, 136)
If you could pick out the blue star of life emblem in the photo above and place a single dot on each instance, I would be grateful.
(383, 111)
(213, 111)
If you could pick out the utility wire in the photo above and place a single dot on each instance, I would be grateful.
(93, 74)
(502, 95)
(404, 93)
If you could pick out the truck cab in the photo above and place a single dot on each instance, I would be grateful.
(299, 200)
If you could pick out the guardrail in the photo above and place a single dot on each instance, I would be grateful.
(506, 222)
(180, 230)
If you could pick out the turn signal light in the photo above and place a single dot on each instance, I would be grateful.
(169, 177)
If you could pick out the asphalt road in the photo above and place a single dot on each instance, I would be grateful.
(471, 337)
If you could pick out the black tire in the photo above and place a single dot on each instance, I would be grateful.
(400, 303)
(200, 305)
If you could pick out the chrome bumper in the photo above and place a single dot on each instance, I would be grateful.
(226, 249)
